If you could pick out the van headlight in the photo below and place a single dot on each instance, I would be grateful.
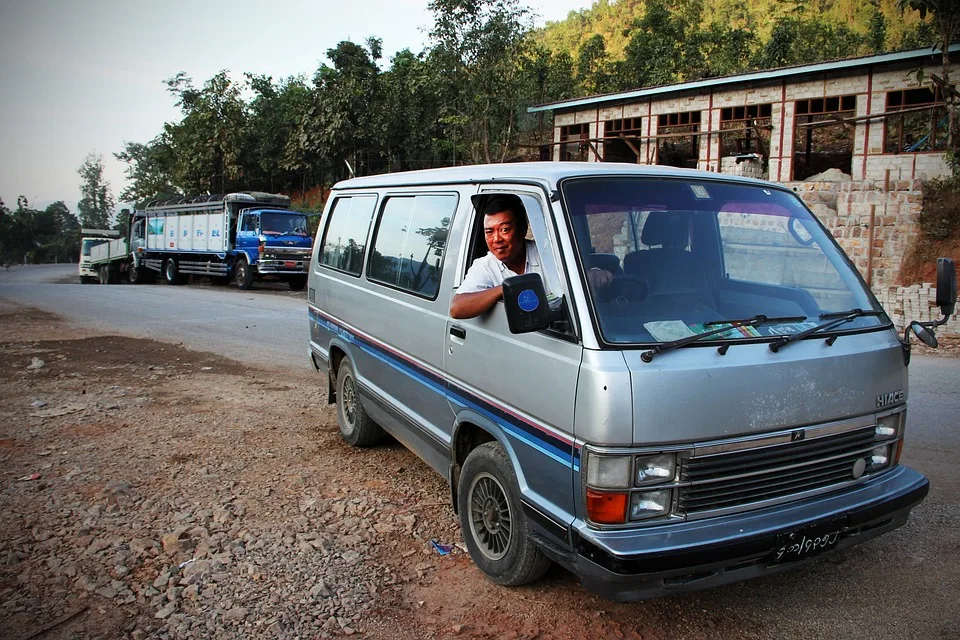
(879, 458)
(890, 426)
(613, 481)
(650, 504)
(655, 469)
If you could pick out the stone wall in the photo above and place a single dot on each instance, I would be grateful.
(846, 207)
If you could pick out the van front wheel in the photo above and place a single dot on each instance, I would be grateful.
(356, 426)
(492, 520)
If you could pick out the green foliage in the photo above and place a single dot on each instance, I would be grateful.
(464, 99)
(28, 235)
(96, 203)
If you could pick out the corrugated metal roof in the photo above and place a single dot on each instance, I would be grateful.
(753, 76)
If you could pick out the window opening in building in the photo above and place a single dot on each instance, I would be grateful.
(821, 141)
(678, 144)
(621, 140)
(575, 138)
(746, 133)
(921, 126)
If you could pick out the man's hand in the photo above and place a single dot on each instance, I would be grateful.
(599, 278)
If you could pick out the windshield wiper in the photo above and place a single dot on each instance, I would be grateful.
(841, 317)
(647, 356)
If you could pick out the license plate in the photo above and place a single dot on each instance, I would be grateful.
(807, 542)
(289, 263)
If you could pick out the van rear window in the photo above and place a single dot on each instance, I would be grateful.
(345, 236)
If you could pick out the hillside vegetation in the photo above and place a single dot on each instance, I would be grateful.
(733, 35)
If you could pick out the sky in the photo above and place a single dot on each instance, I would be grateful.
(86, 76)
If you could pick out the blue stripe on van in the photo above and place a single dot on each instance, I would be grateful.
(537, 436)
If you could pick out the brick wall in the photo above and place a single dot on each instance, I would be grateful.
(845, 210)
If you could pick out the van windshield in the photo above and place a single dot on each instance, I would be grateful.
(687, 255)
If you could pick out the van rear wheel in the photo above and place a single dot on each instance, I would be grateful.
(492, 519)
(356, 426)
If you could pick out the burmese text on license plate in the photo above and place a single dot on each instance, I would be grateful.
(802, 546)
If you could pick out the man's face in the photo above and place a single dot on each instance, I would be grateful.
(503, 238)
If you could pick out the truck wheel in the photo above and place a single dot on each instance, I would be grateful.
(135, 274)
(297, 283)
(170, 272)
(243, 274)
(356, 427)
(492, 519)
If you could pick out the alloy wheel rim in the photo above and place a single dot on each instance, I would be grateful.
(491, 523)
(349, 404)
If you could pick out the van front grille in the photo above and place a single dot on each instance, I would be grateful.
(731, 480)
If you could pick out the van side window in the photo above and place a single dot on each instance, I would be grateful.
(345, 237)
(409, 242)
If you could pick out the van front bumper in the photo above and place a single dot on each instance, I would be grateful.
(638, 564)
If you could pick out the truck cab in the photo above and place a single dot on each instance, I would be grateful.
(272, 242)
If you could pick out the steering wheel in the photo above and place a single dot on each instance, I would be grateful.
(623, 290)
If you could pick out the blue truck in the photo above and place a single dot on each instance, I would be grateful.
(244, 236)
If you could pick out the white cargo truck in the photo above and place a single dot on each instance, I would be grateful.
(91, 240)
(244, 236)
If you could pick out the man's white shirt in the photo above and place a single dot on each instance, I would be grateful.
(487, 272)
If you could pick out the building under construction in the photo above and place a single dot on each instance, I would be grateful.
(867, 117)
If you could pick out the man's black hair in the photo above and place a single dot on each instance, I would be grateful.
(511, 203)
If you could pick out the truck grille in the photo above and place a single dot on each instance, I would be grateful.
(730, 480)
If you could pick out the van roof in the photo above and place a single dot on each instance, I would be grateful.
(549, 173)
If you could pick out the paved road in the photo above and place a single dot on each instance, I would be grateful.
(259, 327)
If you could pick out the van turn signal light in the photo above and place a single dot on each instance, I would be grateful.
(607, 508)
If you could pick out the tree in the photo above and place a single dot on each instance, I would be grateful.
(477, 45)
(274, 114)
(946, 18)
(208, 141)
(653, 54)
(97, 203)
(593, 66)
(877, 30)
(149, 169)
(60, 233)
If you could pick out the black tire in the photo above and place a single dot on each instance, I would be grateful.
(171, 273)
(102, 275)
(297, 283)
(491, 516)
(135, 275)
(356, 426)
(243, 274)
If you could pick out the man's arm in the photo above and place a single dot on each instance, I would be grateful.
(471, 305)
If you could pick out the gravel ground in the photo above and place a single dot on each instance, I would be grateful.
(153, 492)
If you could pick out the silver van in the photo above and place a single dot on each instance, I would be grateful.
(729, 403)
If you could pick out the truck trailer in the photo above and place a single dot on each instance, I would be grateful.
(242, 236)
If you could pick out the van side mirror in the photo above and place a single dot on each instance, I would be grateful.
(526, 302)
(946, 286)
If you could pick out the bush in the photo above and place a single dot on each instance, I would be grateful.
(940, 217)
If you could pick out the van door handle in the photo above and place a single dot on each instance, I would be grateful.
(458, 332)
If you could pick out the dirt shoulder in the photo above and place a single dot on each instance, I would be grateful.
(152, 491)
